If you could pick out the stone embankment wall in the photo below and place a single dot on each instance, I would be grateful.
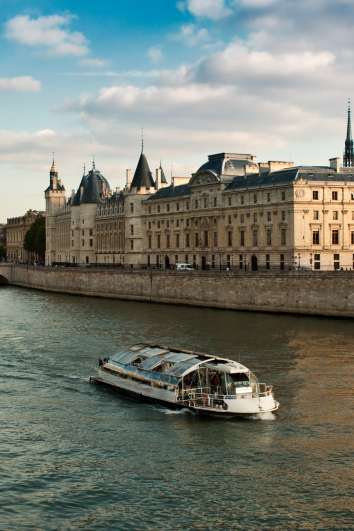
(330, 294)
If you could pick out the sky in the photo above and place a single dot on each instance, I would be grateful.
(83, 78)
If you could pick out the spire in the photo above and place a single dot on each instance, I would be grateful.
(348, 157)
(142, 176)
(53, 168)
(163, 176)
(93, 163)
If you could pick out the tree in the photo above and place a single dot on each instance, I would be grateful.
(2, 252)
(34, 242)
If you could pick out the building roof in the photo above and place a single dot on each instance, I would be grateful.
(227, 164)
(163, 176)
(142, 176)
(93, 187)
(288, 175)
(170, 192)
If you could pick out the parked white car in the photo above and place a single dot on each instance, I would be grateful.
(184, 267)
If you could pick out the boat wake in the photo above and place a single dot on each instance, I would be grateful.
(183, 411)
(264, 416)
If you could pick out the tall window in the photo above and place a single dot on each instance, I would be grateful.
(336, 261)
(283, 237)
(131, 245)
(242, 238)
(334, 196)
(229, 238)
(335, 237)
(158, 241)
(255, 238)
(317, 261)
(315, 195)
(269, 237)
(269, 216)
(242, 199)
(282, 262)
(267, 261)
(242, 218)
(168, 241)
(283, 215)
(255, 198)
(167, 207)
(268, 197)
(316, 237)
(316, 214)
(150, 242)
(215, 201)
(206, 238)
(215, 239)
(352, 237)
(229, 200)
(283, 196)
(132, 208)
(229, 219)
(131, 229)
(187, 240)
(196, 239)
(335, 214)
(177, 241)
(240, 261)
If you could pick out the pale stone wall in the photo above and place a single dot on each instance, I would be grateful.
(330, 294)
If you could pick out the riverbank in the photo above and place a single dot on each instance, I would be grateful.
(312, 293)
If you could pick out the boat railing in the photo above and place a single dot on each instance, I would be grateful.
(264, 390)
(201, 397)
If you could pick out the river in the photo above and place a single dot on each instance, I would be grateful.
(75, 456)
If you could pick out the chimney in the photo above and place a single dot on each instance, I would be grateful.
(128, 178)
(158, 178)
(335, 163)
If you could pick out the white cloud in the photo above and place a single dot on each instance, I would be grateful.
(238, 63)
(155, 54)
(255, 3)
(191, 35)
(48, 32)
(19, 84)
(212, 9)
(93, 62)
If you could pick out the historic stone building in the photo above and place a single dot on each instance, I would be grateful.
(233, 213)
(16, 229)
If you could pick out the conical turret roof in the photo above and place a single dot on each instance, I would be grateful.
(142, 176)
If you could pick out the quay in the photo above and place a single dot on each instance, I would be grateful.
(323, 293)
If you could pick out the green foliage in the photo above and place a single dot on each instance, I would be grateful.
(2, 251)
(34, 242)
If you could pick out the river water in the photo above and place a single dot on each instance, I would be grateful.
(75, 456)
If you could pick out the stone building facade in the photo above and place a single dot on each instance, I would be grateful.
(16, 229)
(233, 213)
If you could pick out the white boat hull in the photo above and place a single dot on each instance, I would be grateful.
(232, 406)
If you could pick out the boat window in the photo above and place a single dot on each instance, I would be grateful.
(239, 377)
(178, 357)
(148, 352)
(180, 368)
(124, 357)
(151, 363)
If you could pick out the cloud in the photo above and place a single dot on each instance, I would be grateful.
(239, 63)
(211, 9)
(48, 32)
(155, 54)
(19, 84)
(93, 62)
(191, 35)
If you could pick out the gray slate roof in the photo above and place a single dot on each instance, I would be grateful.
(93, 187)
(142, 176)
(171, 192)
(309, 173)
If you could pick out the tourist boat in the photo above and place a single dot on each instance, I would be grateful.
(177, 378)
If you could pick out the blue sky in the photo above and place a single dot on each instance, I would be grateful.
(81, 78)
